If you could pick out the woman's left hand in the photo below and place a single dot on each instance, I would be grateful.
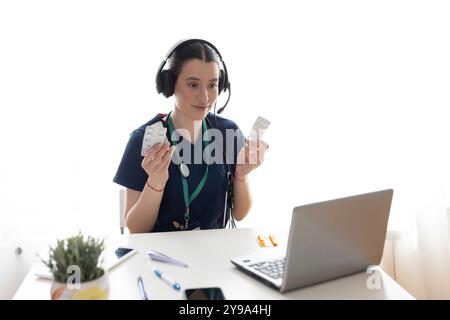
(250, 157)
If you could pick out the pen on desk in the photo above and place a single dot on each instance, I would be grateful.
(166, 279)
(141, 288)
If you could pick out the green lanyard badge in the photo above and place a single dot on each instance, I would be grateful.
(189, 198)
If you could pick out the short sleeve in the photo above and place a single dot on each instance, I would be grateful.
(130, 174)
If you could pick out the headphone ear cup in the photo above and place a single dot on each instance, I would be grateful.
(167, 82)
(159, 86)
(222, 81)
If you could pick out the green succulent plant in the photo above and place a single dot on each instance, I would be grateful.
(77, 251)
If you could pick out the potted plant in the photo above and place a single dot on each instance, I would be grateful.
(77, 271)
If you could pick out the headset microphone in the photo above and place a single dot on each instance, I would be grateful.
(228, 99)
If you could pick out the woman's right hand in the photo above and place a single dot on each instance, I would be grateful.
(156, 164)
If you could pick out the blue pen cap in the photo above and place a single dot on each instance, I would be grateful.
(176, 286)
(157, 272)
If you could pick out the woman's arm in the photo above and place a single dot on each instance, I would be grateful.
(142, 208)
(248, 159)
(242, 198)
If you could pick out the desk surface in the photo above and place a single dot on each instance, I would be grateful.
(208, 253)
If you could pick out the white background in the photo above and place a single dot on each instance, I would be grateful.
(357, 93)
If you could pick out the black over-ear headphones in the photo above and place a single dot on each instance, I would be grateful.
(165, 79)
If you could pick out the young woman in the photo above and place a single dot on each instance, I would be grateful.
(173, 188)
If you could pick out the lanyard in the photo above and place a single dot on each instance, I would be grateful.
(189, 198)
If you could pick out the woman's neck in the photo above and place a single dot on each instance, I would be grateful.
(181, 121)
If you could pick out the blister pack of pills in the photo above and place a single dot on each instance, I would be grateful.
(154, 134)
(259, 127)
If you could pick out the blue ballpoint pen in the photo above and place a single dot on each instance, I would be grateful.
(169, 281)
(141, 288)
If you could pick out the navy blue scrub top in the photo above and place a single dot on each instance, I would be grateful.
(206, 211)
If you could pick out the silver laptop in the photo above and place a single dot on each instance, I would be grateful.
(327, 240)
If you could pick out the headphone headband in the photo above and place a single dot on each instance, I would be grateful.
(185, 42)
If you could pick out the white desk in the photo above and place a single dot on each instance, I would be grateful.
(208, 254)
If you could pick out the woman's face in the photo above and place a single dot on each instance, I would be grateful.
(196, 89)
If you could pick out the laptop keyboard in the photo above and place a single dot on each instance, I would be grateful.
(272, 268)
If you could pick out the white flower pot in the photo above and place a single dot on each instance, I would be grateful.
(97, 289)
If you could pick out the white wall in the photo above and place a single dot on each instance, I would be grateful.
(356, 92)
